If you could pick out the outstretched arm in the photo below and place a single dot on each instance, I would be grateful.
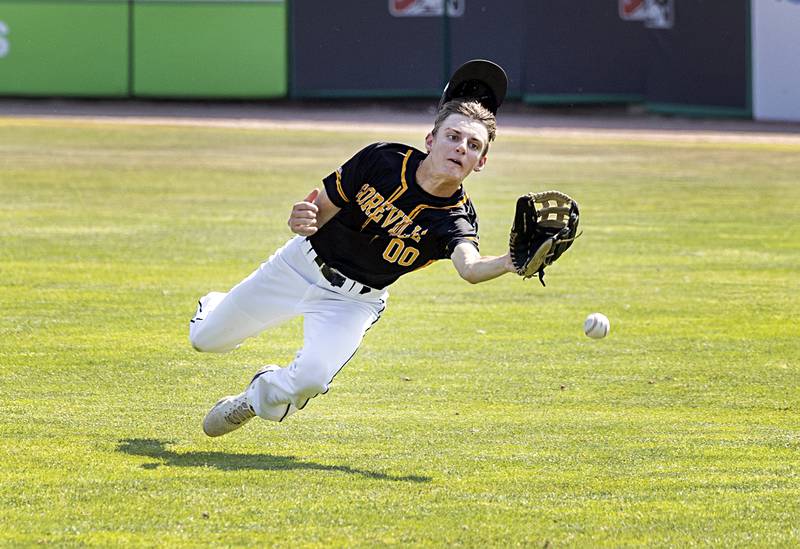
(311, 213)
(474, 268)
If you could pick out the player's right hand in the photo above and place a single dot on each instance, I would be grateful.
(303, 219)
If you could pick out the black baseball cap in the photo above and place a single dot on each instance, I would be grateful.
(478, 79)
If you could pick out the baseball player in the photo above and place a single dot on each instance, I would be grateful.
(389, 210)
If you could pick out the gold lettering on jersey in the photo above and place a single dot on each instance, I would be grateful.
(393, 216)
(398, 229)
(369, 206)
(364, 193)
(395, 220)
(417, 233)
(377, 213)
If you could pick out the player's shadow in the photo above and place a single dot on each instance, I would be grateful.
(157, 449)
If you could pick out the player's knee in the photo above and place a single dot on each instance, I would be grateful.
(200, 345)
(205, 334)
(205, 344)
(309, 388)
(310, 379)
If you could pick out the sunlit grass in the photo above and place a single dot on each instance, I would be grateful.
(472, 415)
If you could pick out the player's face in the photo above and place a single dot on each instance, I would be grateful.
(457, 148)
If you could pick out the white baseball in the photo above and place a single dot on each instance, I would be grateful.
(596, 325)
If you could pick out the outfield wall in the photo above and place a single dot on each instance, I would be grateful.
(692, 57)
(62, 48)
(701, 64)
(191, 48)
(143, 48)
(580, 52)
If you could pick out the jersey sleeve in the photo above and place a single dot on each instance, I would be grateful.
(343, 184)
(463, 231)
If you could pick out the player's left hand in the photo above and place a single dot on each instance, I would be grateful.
(545, 226)
(303, 219)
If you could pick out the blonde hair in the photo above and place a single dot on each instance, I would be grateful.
(471, 109)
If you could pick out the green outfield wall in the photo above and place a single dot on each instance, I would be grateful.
(77, 48)
(691, 57)
(144, 48)
(232, 49)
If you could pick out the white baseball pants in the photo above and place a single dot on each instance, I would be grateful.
(290, 283)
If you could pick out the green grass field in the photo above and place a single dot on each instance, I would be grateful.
(473, 416)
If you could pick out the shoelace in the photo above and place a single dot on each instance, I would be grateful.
(241, 413)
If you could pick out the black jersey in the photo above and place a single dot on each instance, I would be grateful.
(388, 225)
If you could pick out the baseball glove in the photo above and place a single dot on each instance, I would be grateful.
(545, 225)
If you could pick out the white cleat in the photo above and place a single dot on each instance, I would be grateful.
(231, 412)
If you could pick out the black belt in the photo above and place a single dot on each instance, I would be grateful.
(336, 278)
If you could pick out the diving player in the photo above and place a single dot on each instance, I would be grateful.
(389, 210)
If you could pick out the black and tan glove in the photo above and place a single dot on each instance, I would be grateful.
(545, 225)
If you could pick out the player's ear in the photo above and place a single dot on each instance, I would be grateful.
(429, 141)
(481, 163)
